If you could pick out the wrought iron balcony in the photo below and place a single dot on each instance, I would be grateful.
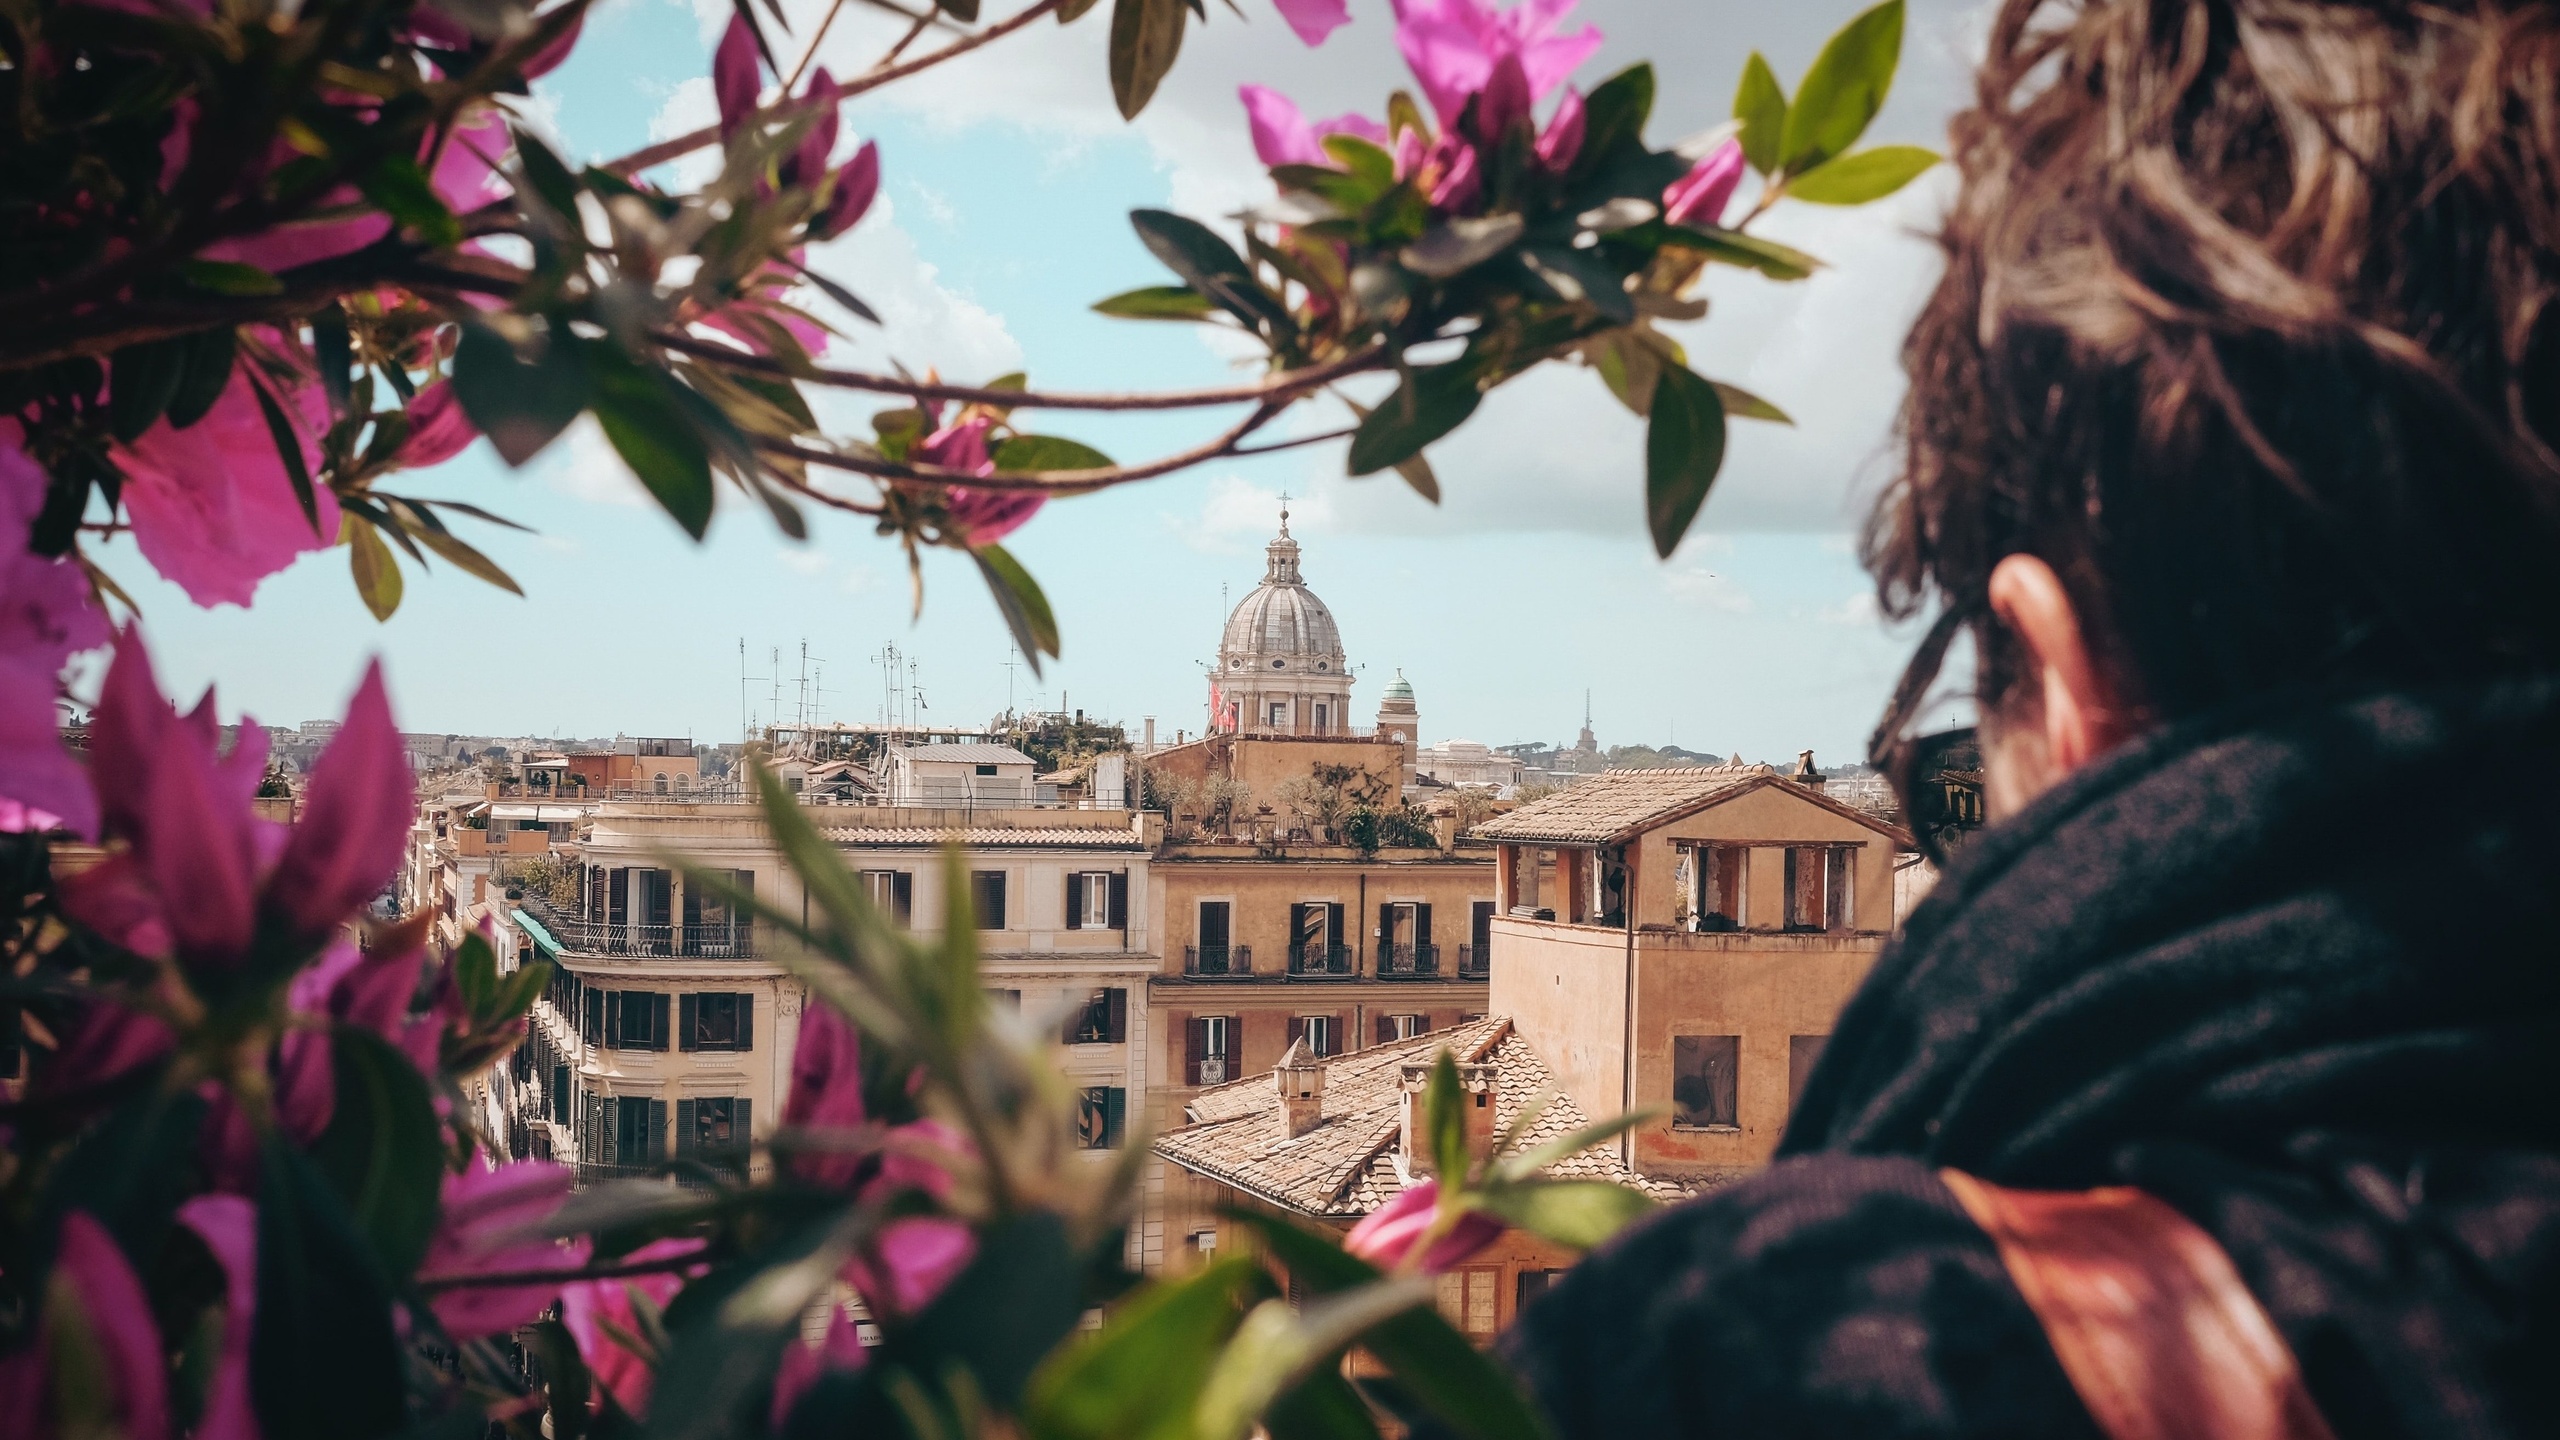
(1321, 962)
(1408, 962)
(1215, 961)
(1475, 962)
(711, 939)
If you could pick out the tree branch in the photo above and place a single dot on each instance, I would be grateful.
(1288, 384)
(659, 1266)
(1050, 482)
(686, 144)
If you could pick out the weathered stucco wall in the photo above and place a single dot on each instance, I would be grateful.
(1564, 987)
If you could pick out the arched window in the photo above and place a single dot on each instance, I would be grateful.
(662, 782)
(683, 781)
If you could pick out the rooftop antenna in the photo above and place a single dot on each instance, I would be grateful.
(773, 716)
(1012, 652)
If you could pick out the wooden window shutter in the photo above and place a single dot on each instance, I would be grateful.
(688, 1026)
(746, 1024)
(1235, 1046)
(1340, 1038)
(692, 906)
(685, 1126)
(617, 905)
(659, 1005)
(1119, 1023)
(613, 1019)
(741, 1125)
(905, 886)
(1193, 1042)
(1115, 1116)
(1120, 900)
(1386, 1028)
(657, 1131)
(1075, 899)
(601, 1120)
(1297, 923)
(1421, 925)
(1297, 1029)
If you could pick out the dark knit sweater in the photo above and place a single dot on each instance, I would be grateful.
(2291, 969)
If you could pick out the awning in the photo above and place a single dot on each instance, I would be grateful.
(533, 930)
(551, 814)
(515, 812)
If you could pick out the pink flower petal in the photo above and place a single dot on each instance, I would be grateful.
(803, 1365)
(734, 83)
(1281, 134)
(90, 1272)
(1699, 197)
(1314, 19)
(355, 822)
(487, 1227)
(857, 185)
(1387, 1235)
(438, 430)
(211, 505)
(46, 614)
(1561, 143)
(910, 1261)
(826, 1093)
(228, 1225)
(593, 1309)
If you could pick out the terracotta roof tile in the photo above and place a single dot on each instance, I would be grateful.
(1616, 802)
(1345, 1167)
(1028, 837)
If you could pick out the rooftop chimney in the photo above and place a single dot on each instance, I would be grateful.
(1477, 1088)
(1806, 775)
(1151, 732)
(1301, 1079)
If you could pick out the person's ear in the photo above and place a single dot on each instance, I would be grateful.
(2082, 718)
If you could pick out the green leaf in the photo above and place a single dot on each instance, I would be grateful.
(143, 380)
(1429, 404)
(1324, 1406)
(1209, 265)
(1135, 1379)
(1760, 103)
(1844, 89)
(468, 559)
(964, 11)
(1861, 175)
(229, 277)
(1025, 609)
(288, 443)
(324, 1363)
(208, 374)
(1613, 116)
(377, 574)
(1455, 246)
(1048, 452)
(1157, 302)
(1778, 262)
(1455, 1380)
(1074, 10)
(333, 353)
(1366, 163)
(1630, 360)
(400, 186)
(1526, 1164)
(1004, 1314)
(383, 1150)
(1741, 404)
(1580, 275)
(1683, 449)
(475, 973)
(1446, 1113)
(520, 406)
(548, 176)
(1579, 1213)
(1403, 115)
(651, 431)
(1145, 36)
(1277, 1347)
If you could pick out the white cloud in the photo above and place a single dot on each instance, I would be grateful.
(582, 465)
(1236, 516)
(1709, 590)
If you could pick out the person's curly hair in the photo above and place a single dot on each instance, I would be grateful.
(2247, 330)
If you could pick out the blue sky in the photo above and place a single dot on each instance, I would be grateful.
(1008, 180)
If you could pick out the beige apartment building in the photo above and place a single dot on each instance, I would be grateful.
(1684, 938)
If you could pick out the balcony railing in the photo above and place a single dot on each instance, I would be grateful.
(1321, 962)
(708, 940)
(1474, 963)
(1408, 962)
(1217, 960)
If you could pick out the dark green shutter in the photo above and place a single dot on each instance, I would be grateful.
(685, 1126)
(657, 1130)
(658, 1026)
(747, 1022)
(1075, 899)
(613, 1019)
(1117, 1008)
(688, 1024)
(1120, 900)
(1115, 1106)
(741, 1128)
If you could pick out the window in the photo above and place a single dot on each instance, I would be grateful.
(1820, 886)
(1402, 1027)
(634, 1130)
(661, 783)
(1098, 900)
(1802, 1052)
(1321, 1033)
(683, 781)
(1104, 1020)
(1101, 1115)
(1322, 714)
(716, 1022)
(713, 1128)
(1702, 1081)
(1716, 886)
(986, 896)
(1279, 710)
(635, 1020)
(892, 892)
(1008, 1001)
(1534, 1283)
(1470, 1299)
(986, 769)
(1209, 1048)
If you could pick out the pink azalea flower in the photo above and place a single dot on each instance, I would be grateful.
(840, 1350)
(1387, 1235)
(1454, 45)
(826, 1095)
(211, 505)
(228, 1225)
(978, 517)
(1561, 143)
(1699, 197)
(105, 1043)
(438, 430)
(1314, 19)
(805, 164)
(734, 81)
(910, 1261)
(46, 614)
(347, 986)
(488, 1225)
(857, 185)
(603, 1317)
(463, 175)
(1284, 136)
(200, 865)
(94, 1288)
(1459, 185)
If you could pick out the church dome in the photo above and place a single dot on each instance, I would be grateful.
(1399, 689)
(1281, 626)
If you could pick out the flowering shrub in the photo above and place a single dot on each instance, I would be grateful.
(262, 260)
